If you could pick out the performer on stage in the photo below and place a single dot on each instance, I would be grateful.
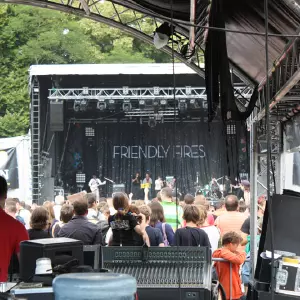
(136, 187)
(94, 185)
(148, 180)
(158, 185)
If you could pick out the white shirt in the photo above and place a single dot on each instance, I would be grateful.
(57, 209)
(158, 184)
(213, 235)
(26, 215)
(94, 184)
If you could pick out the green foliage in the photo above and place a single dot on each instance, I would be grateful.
(38, 36)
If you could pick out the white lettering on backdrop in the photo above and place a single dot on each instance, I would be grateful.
(178, 151)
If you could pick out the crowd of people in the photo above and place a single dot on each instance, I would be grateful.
(119, 221)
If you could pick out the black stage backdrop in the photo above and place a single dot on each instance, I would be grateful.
(9, 167)
(119, 150)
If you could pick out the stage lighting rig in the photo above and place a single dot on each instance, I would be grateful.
(182, 106)
(80, 178)
(127, 105)
(83, 105)
(162, 35)
(163, 102)
(155, 104)
(111, 104)
(89, 131)
(101, 105)
(152, 122)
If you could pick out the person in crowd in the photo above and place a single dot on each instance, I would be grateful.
(49, 207)
(172, 211)
(227, 186)
(22, 212)
(189, 199)
(33, 206)
(148, 180)
(124, 224)
(201, 200)
(66, 215)
(211, 230)
(154, 234)
(158, 184)
(103, 224)
(191, 235)
(158, 197)
(232, 220)
(242, 206)
(58, 203)
(157, 220)
(243, 193)
(39, 224)
(220, 208)
(93, 214)
(136, 186)
(12, 233)
(11, 209)
(79, 227)
(229, 251)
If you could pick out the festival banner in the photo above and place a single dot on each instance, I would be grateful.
(9, 167)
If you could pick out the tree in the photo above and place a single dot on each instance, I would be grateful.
(37, 36)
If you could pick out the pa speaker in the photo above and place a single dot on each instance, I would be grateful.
(56, 115)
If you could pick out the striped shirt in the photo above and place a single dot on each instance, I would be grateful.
(171, 215)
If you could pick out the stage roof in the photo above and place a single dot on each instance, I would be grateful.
(246, 52)
(109, 69)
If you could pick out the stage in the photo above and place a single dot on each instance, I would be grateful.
(116, 120)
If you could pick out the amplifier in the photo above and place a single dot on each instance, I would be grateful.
(119, 188)
(164, 273)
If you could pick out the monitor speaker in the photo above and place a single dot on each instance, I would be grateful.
(56, 115)
(118, 188)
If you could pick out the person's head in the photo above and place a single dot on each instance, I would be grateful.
(246, 185)
(139, 203)
(220, 205)
(80, 206)
(191, 214)
(137, 174)
(147, 175)
(157, 213)
(49, 207)
(146, 211)
(121, 202)
(23, 204)
(202, 214)
(10, 208)
(94, 176)
(242, 206)
(189, 199)
(231, 240)
(91, 198)
(39, 219)
(231, 203)
(66, 213)
(3, 191)
(104, 209)
(226, 177)
(166, 194)
(200, 200)
(102, 199)
(158, 177)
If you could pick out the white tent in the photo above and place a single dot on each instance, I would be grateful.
(21, 145)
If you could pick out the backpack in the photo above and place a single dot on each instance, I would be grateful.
(166, 242)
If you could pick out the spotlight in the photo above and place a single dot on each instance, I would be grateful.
(155, 104)
(111, 104)
(193, 103)
(76, 105)
(127, 105)
(89, 131)
(162, 35)
(101, 105)
(142, 104)
(152, 122)
(83, 105)
(80, 177)
(182, 106)
(163, 102)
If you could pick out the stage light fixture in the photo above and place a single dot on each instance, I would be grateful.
(80, 177)
(155, 104)
(127, 105)
(83, 105)
(163, 102)
(101, 105)
(76, 105)
(182, 106)
(111, 104)
(231, 129)
(89, 131)
(152, 122)
(162, 35)
(142, 104)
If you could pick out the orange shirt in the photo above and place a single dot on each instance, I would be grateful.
(223, 271)
(230, 221)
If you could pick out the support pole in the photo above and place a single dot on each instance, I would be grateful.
(253, 194)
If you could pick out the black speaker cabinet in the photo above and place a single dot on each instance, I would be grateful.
(56, 115)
